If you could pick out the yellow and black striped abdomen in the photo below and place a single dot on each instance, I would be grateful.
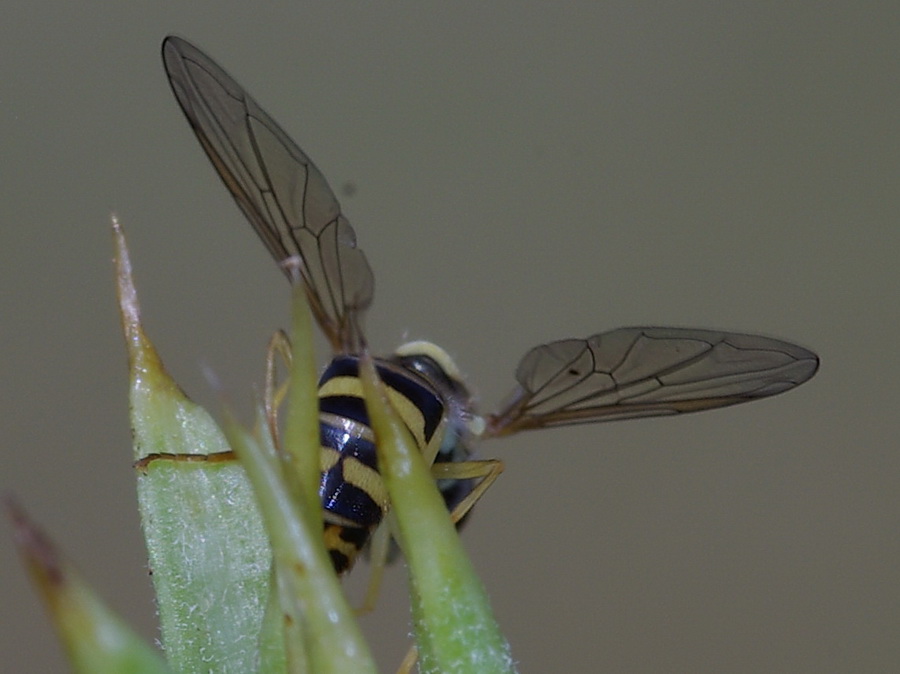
(353, 495)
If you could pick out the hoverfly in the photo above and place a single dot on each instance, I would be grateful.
(621, 374)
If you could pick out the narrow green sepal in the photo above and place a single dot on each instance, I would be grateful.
(326, 635)
(310, 592)
(96, 640)
(301, 428)
(454, 626)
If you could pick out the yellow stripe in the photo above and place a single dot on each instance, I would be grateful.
(328, 458)
(410, 414)
(341, 386)
(360, 475)
(333, 541)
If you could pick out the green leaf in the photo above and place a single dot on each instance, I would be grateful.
(208, 549)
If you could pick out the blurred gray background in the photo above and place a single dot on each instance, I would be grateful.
(519, 172)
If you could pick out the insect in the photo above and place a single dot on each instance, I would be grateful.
(621, 374)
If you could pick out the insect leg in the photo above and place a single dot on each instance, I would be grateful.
(379, 551)
(487, 471)
(279, 345)
(406, 667)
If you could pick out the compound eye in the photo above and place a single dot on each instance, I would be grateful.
(433, 364)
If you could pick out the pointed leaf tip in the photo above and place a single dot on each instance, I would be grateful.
(37, 550)
(96, 640)
(127, 295)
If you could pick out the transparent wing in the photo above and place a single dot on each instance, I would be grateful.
(642, 372)
(279, 189)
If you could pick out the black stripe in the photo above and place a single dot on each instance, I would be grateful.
(349, 407)
(357, 537)
(346, 500)
(339, 561)
(346, 445)
(407, 385)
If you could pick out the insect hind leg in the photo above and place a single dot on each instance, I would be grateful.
(379, 557)
(279, 345)
(485, 471)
